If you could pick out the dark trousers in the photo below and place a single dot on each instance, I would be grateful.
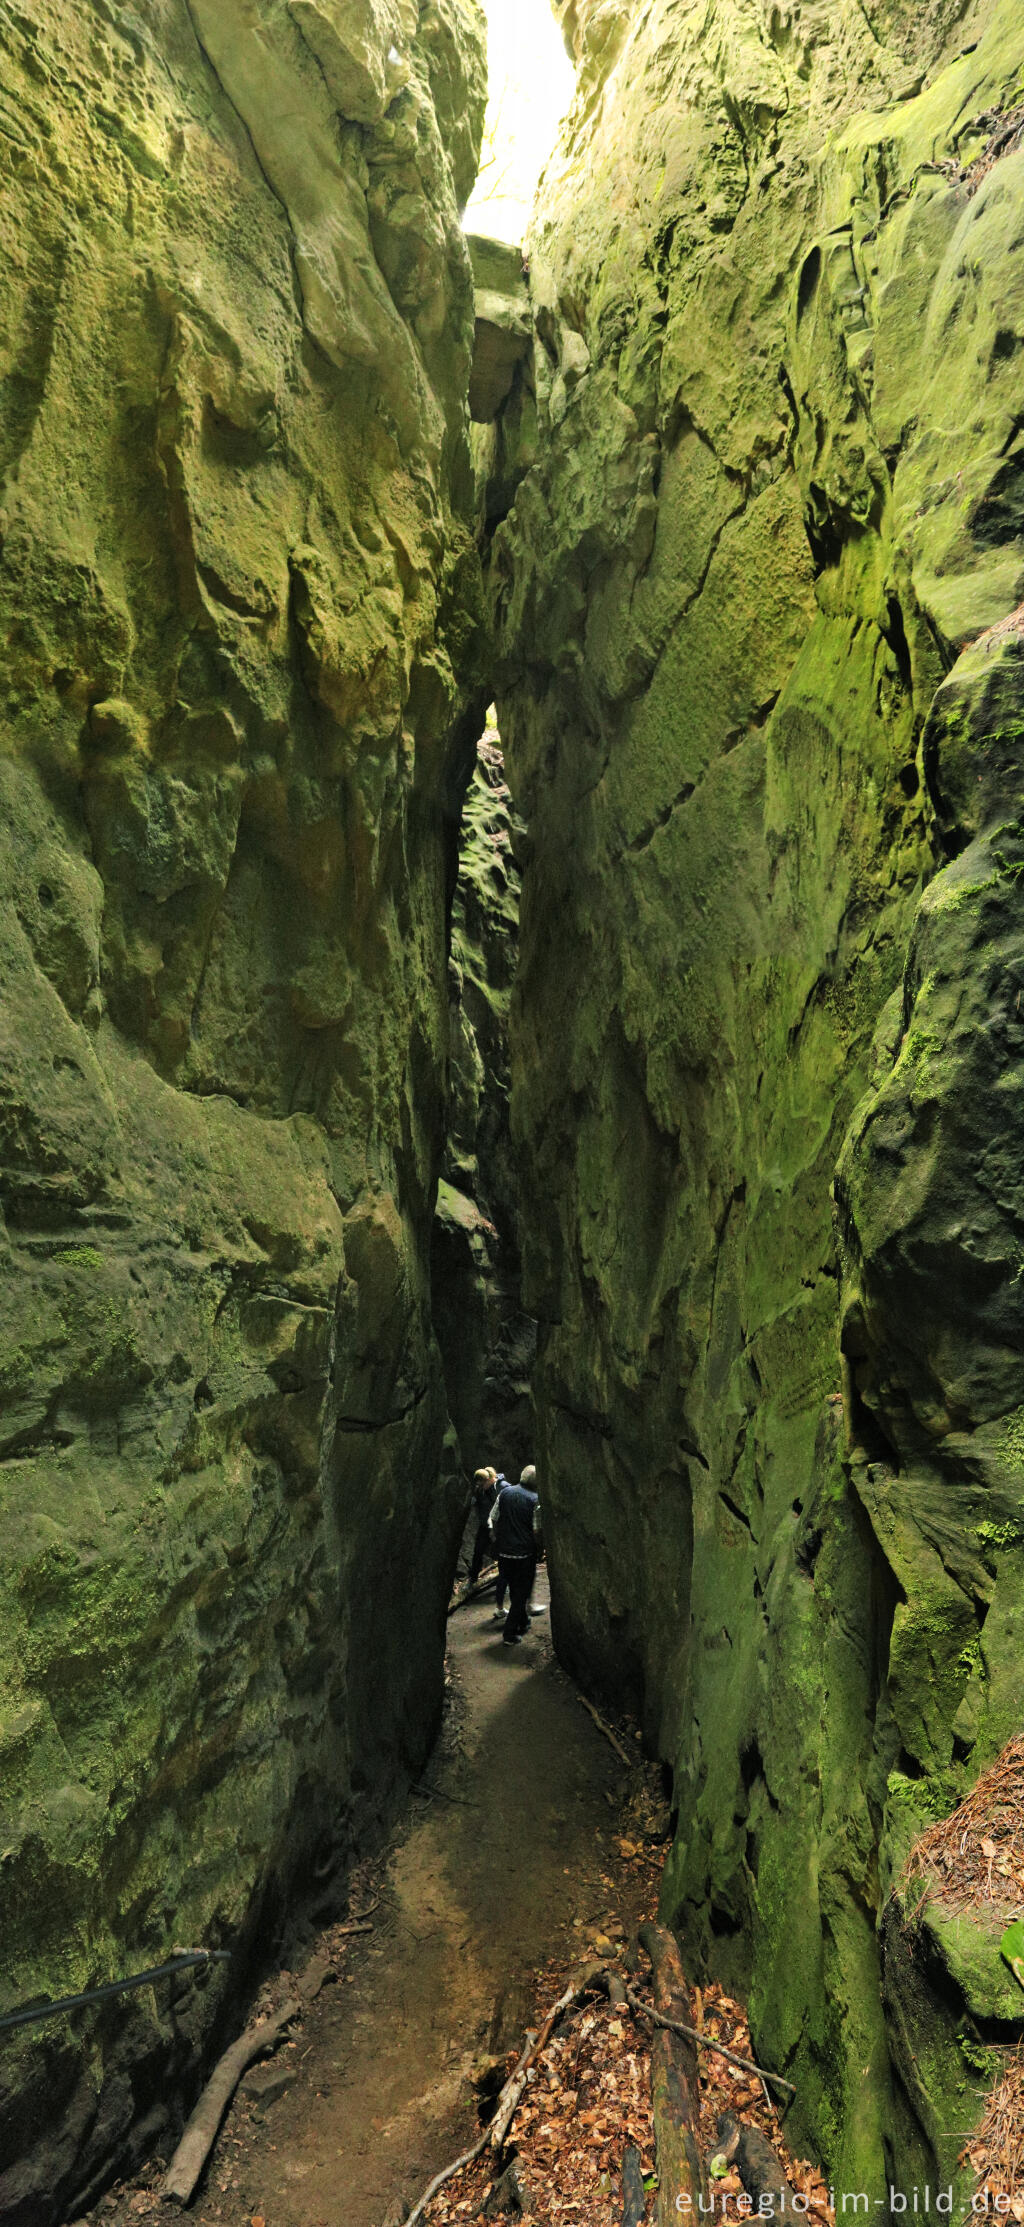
(483, 1551)
(517, 1571)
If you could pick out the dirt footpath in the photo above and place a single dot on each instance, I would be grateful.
(508, 1861)
(481, 1891)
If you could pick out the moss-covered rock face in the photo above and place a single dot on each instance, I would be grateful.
(777, 274)
(487, 1342)
(237, 587)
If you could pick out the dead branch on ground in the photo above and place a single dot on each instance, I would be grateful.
(468, 2157)
(495, 2134)
(701, 2039)
(474, 1592)
(179, 2183)
(622, 1752)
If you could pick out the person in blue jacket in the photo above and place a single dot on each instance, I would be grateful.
(516, 1527)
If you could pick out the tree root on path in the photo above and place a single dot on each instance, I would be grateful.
(181, 2178)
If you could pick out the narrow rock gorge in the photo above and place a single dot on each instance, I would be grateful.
(717, 490)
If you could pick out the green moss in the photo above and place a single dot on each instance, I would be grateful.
(1011, 1438)
(79, 1256)
(17, 1370)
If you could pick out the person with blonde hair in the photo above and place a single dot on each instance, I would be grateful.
(485, 1493)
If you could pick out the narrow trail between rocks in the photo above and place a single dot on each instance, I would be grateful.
(508, 1866)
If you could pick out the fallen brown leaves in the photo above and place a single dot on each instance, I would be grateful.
(590, 2098)
(971, 1860)
(996, 2152)
(590, 2095)
(1005, 136)
(723, 2088)
(976, 1855)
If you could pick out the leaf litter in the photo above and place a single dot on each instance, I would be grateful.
(973, 1862)
(590, 2098)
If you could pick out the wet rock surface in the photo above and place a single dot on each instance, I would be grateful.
(775, 275)
(239, 602)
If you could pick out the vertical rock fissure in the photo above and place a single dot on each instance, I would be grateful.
(486, 1339)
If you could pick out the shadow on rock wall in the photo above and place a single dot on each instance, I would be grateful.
(238, 583)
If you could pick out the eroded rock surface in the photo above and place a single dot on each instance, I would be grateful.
(237, 594)
(777, 278)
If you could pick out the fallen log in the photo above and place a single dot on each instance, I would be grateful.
(681, 2185)
(760, 2171)
(634, 2194)
(179, 2183)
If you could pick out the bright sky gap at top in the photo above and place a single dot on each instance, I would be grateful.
(529, 87)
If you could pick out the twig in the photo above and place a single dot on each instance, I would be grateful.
(468, 2156)
(201, 2132)
(511, 2095)
(622, 1753)
(704, 2041)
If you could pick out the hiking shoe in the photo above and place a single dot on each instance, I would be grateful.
(516, 1642)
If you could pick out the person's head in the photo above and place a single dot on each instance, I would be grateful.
(485, 1476)
(528, 1477)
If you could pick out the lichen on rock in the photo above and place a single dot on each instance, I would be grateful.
(241, 608)
(776, 280)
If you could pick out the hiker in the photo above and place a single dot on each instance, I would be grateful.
(501, 1587)
(516, 1525)
(485, 1493)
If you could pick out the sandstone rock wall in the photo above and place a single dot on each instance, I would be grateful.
(777, 279)
(239, 599)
